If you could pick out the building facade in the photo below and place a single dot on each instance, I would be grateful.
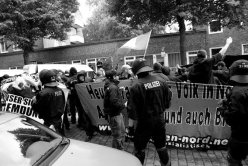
(161, 48)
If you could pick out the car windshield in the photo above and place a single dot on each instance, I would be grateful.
(24, 141)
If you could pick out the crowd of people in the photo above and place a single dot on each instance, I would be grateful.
(149, 97)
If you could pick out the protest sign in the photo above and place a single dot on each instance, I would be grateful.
(19, 105)
(193, 120)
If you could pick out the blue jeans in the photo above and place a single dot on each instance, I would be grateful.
(118, 131)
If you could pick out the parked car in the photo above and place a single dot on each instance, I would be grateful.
(26, 142)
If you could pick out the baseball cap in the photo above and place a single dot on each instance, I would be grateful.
(48, 78)
(125, 67)
(239, 71)
(140, 66)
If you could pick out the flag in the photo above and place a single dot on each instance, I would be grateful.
(138, 43)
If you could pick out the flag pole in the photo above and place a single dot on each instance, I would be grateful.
(147, 44)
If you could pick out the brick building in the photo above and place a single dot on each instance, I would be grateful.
(89, 53)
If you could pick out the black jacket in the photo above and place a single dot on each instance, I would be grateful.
(237, 113)
(149, 97)
(222, 75)
(201, 70)
(113, 99)
(50, 103)
(161, 75)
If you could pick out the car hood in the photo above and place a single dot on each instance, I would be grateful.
(88, 154)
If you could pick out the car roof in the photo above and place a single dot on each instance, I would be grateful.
(34, 68)
(5, 116)
(10, 72)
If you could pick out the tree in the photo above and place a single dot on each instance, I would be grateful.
(102, 26)
(198, 12)
(25, 21)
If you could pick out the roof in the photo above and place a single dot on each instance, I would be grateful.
(34, 68)
(6, 116)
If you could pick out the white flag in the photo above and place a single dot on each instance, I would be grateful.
(138, 43)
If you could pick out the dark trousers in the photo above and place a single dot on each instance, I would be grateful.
(57, 123)
(153, 128)
(73, 97)
(66, 123)
(118, 131)
(237, 151)
(144, 132)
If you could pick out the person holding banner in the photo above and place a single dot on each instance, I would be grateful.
(84, 121)
(234, 109)
(113, 107)
(49, 103)
(73, 95)
(149, 97)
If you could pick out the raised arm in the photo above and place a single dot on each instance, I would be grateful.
(224, 49)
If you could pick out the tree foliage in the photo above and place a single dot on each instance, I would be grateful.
(25, 21)
(102, 26)
(199, 12)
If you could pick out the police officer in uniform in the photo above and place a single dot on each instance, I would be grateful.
(49, 103)
(235, 111)
(149, 97)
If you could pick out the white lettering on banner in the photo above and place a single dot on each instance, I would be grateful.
(205, 91)
(193, 114)
(151, 85)
(19, 105)
(104, 128)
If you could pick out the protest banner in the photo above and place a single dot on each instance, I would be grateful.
(193, 120)
(19, 105)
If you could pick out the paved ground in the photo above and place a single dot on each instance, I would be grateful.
(178, 157)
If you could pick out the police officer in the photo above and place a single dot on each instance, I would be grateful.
(149, 97)
(49, 103)
(235, 112)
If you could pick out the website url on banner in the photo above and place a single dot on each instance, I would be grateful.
(194, 142)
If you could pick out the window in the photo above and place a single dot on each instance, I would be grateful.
(15, 67)
(158, 58)
(191, 56)
(60, 62)
(3, 47)
(215, 27)
(92, 62)
(244, 49)
(128, 60)
(30, 141)
(214, 50)
(76, 62)
(174, 59)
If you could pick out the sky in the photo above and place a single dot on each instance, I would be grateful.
(85, 10)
